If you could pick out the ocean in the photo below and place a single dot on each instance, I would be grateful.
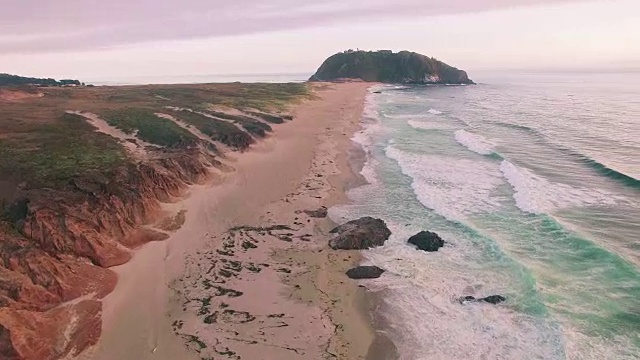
(533, 181)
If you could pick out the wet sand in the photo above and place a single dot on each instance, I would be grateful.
(271, 289)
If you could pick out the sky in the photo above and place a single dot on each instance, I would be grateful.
(142, 39)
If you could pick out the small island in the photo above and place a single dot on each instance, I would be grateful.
(386, 66)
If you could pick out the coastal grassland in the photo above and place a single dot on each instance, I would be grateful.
(253, 126)
(41, 146)
(218, 130)
(149, 127)
(260, 96)
(265, 97)
(52, 153)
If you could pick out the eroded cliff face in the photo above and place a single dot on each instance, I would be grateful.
(81, 170)
(65, 242)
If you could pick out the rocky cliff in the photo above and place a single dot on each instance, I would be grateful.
(62, 245)
(76, 188)
(388, 67)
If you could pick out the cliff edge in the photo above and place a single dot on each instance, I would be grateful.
(84, 173)
(386, 66)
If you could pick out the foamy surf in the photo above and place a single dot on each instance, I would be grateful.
(454, 188)
(537, 195)
(474, 142)
(508, 230)
(428, 125)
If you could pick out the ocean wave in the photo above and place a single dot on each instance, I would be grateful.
(404, 116)
(520, 127)
(443, 183)
(474, 142)
(584, 159)
(423, 115)
(429, 125)
(537, 195)
(419, 293)
(614, 174)
(606, 170)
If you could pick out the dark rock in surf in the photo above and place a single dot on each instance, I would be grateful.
(467, 299)
(363, 233)
(427, 241)
(365, 272)
(493, 299)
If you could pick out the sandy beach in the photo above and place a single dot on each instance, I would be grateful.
(249, 274)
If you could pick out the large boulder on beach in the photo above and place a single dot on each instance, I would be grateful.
(427, 241)
(363, 233)
(365, 272)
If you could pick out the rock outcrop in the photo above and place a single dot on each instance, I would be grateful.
(388, 67)
(363, 233)
(78, 187)
(66, 240)
(365, 272)
(492, 299)
(427, 241)
(319, 213)
(50, 334)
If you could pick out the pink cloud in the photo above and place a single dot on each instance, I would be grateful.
(44, 26)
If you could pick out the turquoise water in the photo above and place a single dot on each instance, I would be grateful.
(533, 183)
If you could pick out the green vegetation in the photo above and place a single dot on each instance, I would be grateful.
(56, 152)
(44, 147)
(250, 124)
(265, 97)
(149, 127)
(274, 119)
(217, 130)
(389, 67)
(15, 80)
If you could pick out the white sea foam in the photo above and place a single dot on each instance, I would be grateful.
(430, 125)
(370, 123)
(419, 292)
(371, 127)
(435, 112)
(402, 117)
(474, 142)
(454, 188)
(535, 194)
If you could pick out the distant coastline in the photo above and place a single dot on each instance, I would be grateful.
(203, 79)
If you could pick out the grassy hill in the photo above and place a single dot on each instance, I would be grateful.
(388, 67)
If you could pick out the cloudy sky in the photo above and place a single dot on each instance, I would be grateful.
(119, 39)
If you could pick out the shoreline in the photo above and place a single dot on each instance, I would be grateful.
(138, 316)
(381, 346)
